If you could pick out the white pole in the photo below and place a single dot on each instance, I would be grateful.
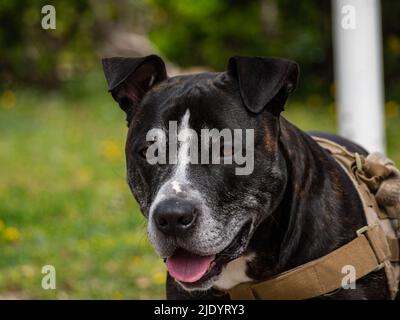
(358, 71)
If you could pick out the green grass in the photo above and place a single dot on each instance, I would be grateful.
(64, 200)
(62, 186)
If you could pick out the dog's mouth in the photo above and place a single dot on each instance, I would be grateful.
(191, 269)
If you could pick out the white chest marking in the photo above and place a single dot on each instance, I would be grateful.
(233, 273)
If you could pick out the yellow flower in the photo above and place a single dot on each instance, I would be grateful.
(159, 278)
(83, 176)
(8, 99)
(392, 109)
(332, 108)
(142, 282)
(136, 261)
(394, 44)
(11, 234)
(111, 150)
(332, 89)
(117, 295)
(314, 100)
(28, 270)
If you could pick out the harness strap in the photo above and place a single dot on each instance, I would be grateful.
(378, 183)
(351, 164)
(394, 245)
(366, 253)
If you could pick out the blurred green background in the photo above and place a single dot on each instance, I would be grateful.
(63, 196)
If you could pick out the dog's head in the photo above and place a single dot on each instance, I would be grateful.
(203, 195)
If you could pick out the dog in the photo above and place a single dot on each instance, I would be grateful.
(216, 229)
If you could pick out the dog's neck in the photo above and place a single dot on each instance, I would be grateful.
(306, 225)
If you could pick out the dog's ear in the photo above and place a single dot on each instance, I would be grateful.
(264, 82)
(130, 78)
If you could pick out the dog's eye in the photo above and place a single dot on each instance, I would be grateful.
(143, 152)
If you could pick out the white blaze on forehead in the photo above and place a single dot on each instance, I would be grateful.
(178, 178)
(176, 186)
(184, 145)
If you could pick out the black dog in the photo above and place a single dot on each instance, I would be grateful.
(216, 228)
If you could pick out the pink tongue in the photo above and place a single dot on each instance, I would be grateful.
(188, 267)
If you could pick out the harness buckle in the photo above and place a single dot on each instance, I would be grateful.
(359, 233)
(379, 267)
(362, 230)
(359, 162)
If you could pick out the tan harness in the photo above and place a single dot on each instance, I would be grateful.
(374, 247)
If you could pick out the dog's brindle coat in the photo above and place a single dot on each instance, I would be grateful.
(296, 206)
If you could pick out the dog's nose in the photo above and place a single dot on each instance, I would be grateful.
(175, 216)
